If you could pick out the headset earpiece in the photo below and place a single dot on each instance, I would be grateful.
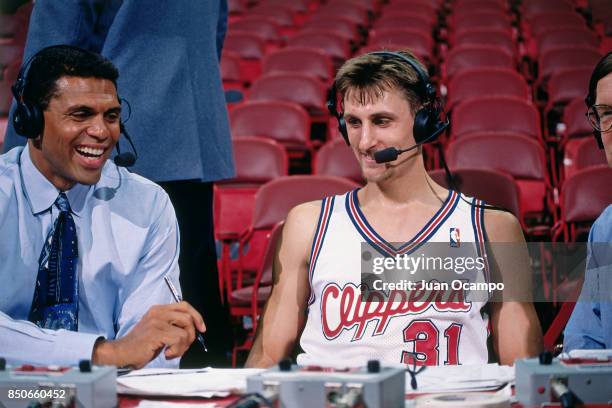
(28, 120)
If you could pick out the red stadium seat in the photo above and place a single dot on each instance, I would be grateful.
(486, 36)
(467, 6)
(420, 43)
(523, 158)
(420, 52)
(425, 10)
(358, 15)
(310, 61)
(529, 9)
(335, 158)
(332, 44)
(560, 59)
(480, 19)
(343, 27)
(405, 20)
(272, 204)
(8, 25)
(543, 22)
(496, 114)
(581, 154)
(257, 160)
(231, 71)
(583, 198)
(281, 14)
(482, 82)
(264, 27)
(249, 300)
(562, 87)
(282, 87)
(476, 56)
(574, 122)
(285, 122)
(250, 48)
(492, 186)
(562, 37)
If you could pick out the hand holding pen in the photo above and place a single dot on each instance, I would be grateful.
(168, 329)
(177, 299)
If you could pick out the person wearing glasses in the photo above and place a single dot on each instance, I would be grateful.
(590, 326)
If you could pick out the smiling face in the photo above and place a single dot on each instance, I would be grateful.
(81, 129)
(377, 124)
(604, 97)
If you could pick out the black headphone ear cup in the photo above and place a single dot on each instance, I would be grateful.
(28, 120)
(343, 130)
(423, 125)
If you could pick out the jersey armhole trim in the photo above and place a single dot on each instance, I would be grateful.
(327, 206)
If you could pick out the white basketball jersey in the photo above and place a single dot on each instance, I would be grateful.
(343, 330)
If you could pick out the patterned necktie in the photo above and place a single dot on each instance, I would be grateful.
(56, 301)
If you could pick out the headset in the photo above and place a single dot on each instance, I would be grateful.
(427, 122)
(590, 99)
(28, 119)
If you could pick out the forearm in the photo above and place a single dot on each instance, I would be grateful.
(24, 342)
(516, 332)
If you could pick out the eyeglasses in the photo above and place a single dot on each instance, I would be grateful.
(600, 117)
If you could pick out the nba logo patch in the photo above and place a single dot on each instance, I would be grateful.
(455, 238)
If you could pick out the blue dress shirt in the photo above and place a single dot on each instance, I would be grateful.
(127, 242)
(590, 326)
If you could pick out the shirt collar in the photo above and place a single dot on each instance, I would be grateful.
(41, 194)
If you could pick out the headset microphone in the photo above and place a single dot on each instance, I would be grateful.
(390, 154)
(125, 159)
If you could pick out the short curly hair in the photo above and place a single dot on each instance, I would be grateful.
(52, 63)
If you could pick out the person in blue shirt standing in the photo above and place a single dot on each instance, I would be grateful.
(85, 245)
(590, 326)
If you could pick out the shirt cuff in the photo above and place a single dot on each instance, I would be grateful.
(72, 347)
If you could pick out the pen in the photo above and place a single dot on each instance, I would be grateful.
(177, 299)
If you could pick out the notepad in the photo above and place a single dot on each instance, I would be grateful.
(203, 383)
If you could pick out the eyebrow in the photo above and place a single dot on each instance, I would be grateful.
(373, 115)
(114, 109)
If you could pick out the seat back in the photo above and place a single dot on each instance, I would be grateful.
(496, 114)
(282, 121)
(520, 156)
(275, 198)
(258, 160)
(404, 20)
(230, 67)
(309, 61)
(244, 44)
(335, 158)
(568, 84)
(542, 22)
(332, 44)
(482, 82)
(559, 37)
(589, 154)
(486, 36)
(477, 56)
(418, 42)
(575, 122)
(492, 186)
(559, 59)
(264, 27)
(283, 86)
(586, 194)
(343, 27)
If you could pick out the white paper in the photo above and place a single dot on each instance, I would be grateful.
(205, 383)
(461, 378)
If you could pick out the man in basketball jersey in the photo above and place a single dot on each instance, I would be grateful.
(384, 100)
